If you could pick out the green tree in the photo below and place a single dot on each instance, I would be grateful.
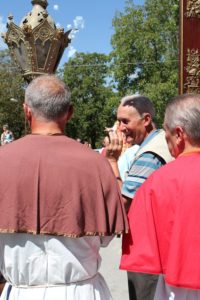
(11, 86)
(145, 51)
(87, 76)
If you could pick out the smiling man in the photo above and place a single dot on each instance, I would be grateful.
(135, 115)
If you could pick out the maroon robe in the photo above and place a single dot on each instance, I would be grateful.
(55, 185)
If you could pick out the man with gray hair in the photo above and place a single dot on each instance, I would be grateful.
(59, 202)
(164, 220)
(136, 121)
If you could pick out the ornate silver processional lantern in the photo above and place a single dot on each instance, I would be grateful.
(37, 45)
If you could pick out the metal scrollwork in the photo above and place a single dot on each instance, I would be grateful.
(193, 71)
(193, 8)
(37, 44)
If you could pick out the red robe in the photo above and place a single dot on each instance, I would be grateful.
(164, 223)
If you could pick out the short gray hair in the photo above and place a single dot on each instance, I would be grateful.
(184, 111)
(141, 103)
(48, 97)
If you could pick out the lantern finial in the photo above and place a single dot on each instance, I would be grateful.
(43, 3)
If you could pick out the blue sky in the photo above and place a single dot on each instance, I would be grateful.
(93, 18)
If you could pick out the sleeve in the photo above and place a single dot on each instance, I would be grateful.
(140, 170)
(140, 250)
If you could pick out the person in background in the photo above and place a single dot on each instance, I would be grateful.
(126, 158)
(60, 203)
(7, 135)
(164, 217)
(135, 115)
(128, 153)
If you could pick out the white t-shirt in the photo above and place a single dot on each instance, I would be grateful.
(125, 161)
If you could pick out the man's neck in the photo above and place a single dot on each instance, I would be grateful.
(190, 148)
(148, 132)
(46, 128)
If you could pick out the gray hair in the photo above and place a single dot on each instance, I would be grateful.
(48, 97)
(184, 111)
(141, 103)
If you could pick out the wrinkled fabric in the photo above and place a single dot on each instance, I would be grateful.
(167, 292)
(50, 267)
(55, 185)
(164, 221)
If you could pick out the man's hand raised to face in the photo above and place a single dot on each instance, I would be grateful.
(113, 144)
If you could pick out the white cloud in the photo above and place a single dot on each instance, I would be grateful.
(79, 22)
(58, 25)
(56, 7)
(69, 26)
(2, 29)
(71, 51)
(72, 34)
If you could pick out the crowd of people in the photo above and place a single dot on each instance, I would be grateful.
(61, 201)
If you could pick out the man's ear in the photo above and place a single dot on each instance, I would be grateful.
(70, 112)
(179, 133)
(147, 119)
(27, 111)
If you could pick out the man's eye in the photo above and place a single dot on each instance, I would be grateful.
(124, 121)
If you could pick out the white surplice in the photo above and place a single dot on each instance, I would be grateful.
(45, 267)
